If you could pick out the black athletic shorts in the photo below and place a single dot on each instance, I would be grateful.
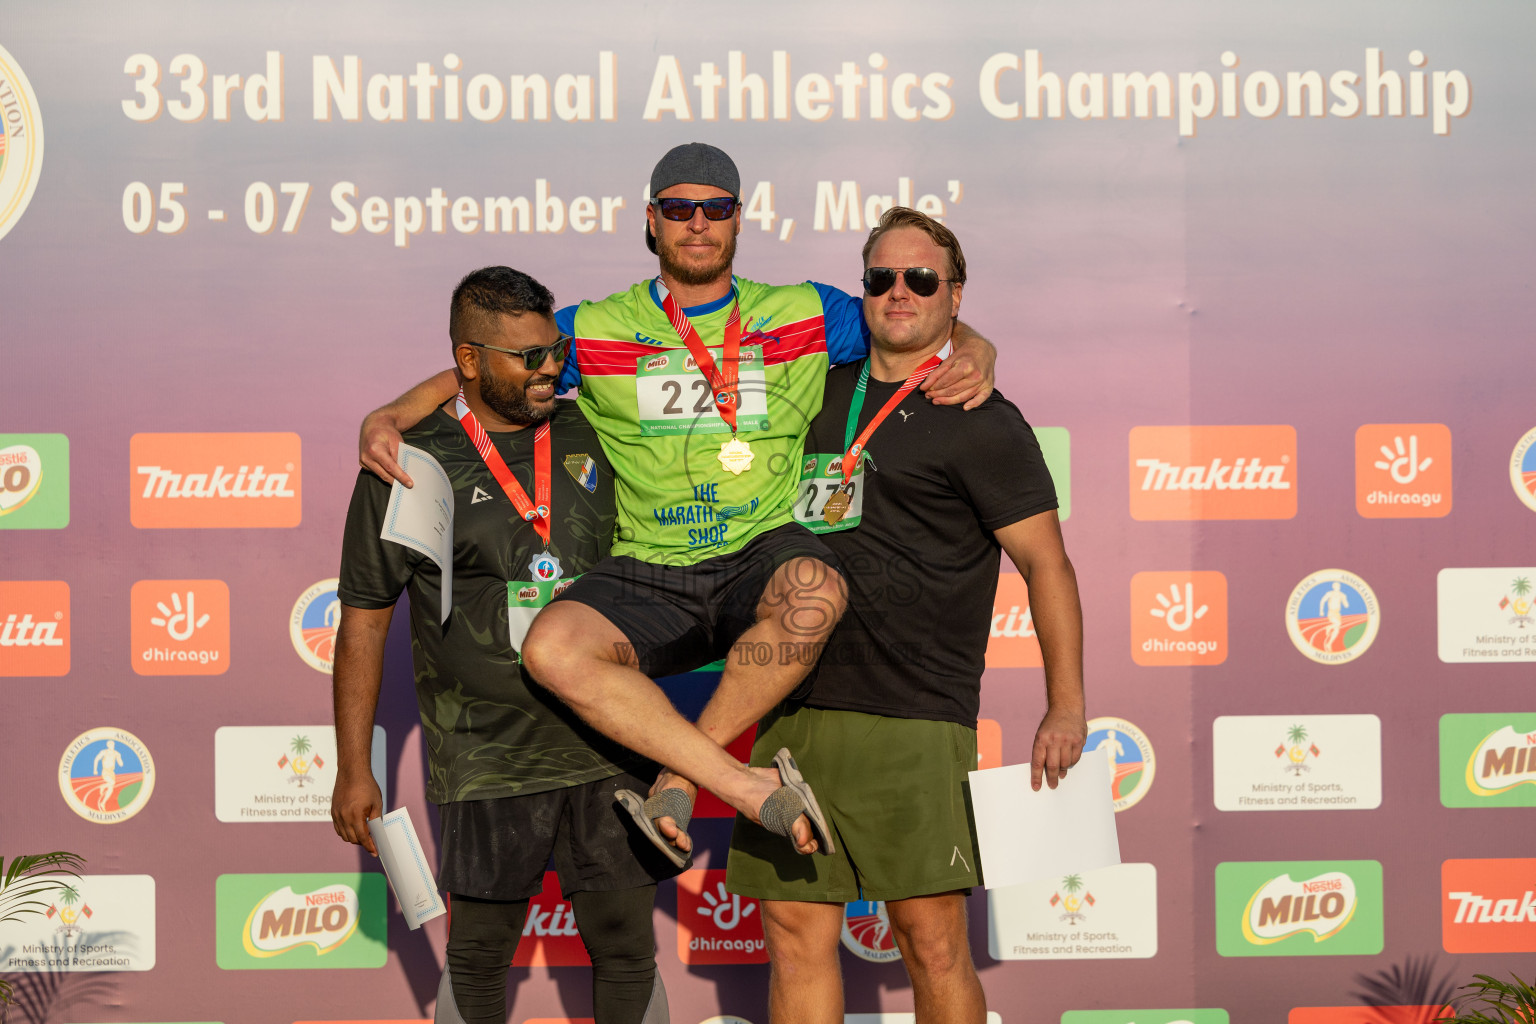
(498, 849)
(679, 617)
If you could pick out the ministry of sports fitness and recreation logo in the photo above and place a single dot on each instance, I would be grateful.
(312, 624)
(34, 628)
(1132, 763)
(1301, 908)
(106, 775)
(34, 481)
(1522, 469)
(1071, 900)
(715, 926)
(88, 923)
(1332, 616)
(867, 932)
(21, 142)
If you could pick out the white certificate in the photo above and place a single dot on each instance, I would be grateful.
(1025, 836)
(405, 865)
(421, 517)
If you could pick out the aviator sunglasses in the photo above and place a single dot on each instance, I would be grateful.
(682, 209)
(923, 281)
(533, 358)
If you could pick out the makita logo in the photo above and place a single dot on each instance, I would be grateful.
(1475, 908)
(1242, 475)
(214, 480)
(550, 922)
(23, 632)
(243, 483)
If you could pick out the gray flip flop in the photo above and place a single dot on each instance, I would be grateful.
(793, 799)
(669, 803)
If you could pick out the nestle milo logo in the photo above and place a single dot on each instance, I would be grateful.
(528, 593)
(279, 922)
(657, 362)
(1303, 908)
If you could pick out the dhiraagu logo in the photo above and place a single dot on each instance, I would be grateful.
(281, 922)
(1299, 908)
(1145, 1017)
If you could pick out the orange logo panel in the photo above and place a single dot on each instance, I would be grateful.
(550, 938)
(1179, 618)
(710, 806)
(1367, 1014)
(1244, 472)
(192, 481)
(989, 744)
(34, 628)
(180, 627)
(715, 926)
(1012, 643)
(1403, 470)
(1488, 906)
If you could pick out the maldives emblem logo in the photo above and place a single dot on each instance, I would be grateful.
(1518, 602)
(1072, 899)
(106, 775)
(1522, 468)
(1132, 763)
(867, 932)
(312, 624)
(302, 763)
(1332, 616)
(1296, 751)
(21, 142)
(71, 909)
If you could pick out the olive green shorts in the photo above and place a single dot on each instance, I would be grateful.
(893, 792)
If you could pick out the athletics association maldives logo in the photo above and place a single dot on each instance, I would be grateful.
(106, 775)
(21, 142)
(867, 932)
(312, 624)
(1132, 764)
(1522, 469)
(1332, 616)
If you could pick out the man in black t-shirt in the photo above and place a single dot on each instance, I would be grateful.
(917, 501)
(518, 777)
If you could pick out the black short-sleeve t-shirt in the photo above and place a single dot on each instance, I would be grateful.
(489, 731)
(922, 565)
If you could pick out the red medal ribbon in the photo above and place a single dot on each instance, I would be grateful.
(538, 514)
(722, 380)
(855, 450)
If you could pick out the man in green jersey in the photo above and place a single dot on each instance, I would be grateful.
(702, 386)
(516, 776)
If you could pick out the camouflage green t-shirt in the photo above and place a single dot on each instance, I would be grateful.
(489, 731)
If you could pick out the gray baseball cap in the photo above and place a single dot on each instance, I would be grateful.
(693, 163)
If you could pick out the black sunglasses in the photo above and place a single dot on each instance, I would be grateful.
(923, 281)
(533, 358)
(682, 209)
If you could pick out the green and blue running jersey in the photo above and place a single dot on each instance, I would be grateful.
(656, 416)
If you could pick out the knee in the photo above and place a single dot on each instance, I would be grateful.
(937, 954)
(552, 650)
(815, 597)
(798, 947)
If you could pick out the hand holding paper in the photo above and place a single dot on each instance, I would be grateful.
(1025, 834)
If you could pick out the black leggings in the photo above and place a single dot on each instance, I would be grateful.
(615, 927)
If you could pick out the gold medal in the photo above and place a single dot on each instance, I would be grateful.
(835, 508)
(736, 455)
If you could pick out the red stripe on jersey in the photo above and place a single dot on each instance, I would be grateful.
(602, 357)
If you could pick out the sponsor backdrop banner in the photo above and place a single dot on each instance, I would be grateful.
(1258, 273)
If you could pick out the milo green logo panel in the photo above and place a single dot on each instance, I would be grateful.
(1488, 760)
(282, 922)
(1145, 1017)
(1056, 446)
(1299, 908)
(34, 481)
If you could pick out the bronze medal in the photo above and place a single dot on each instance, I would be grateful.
(835, 508)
